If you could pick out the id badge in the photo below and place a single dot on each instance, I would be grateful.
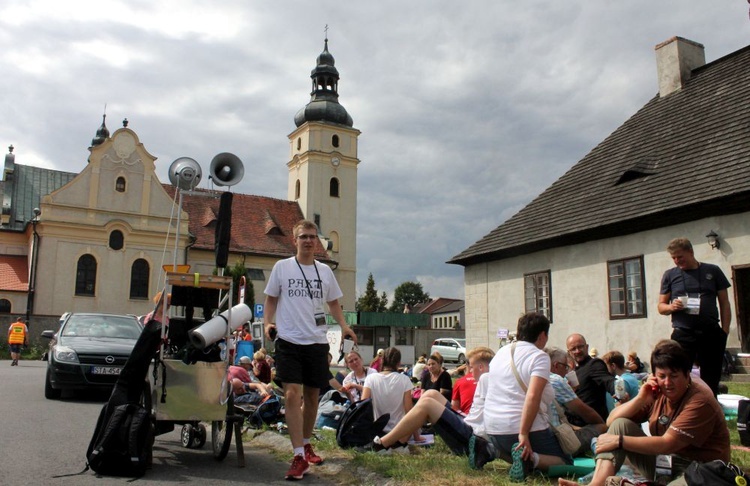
(320, 315)
(693, 306)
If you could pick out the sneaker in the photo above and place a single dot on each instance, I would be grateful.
(374, 446)
(480, 452)
(311, 456)
(517, 473)
(400, 448)
(298, 469)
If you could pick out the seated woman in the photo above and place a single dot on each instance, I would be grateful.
(261, 368)
(515, 410)
(354, 382)
(684, 419)
(391, 393)
(437, 378)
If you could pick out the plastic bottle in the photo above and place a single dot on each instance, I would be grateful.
(223, 348)
(620, 388)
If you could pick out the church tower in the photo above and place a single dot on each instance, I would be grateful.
(323, 171)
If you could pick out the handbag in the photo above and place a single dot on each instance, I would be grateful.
(714, 473)
(566, 436)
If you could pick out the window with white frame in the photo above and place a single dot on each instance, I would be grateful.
(538, 293)
(626, 288)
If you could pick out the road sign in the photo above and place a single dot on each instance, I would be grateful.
(258, 310)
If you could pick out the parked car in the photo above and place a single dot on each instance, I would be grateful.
(88, 351)
(451, 349)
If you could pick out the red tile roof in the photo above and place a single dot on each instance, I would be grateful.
(260, 225)
(14, 273)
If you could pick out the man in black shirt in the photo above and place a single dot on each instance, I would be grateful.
(689, 292)
(594, 380)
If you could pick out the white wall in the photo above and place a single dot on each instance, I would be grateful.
(495, 291)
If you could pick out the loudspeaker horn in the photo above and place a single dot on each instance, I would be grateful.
(226, 169)
(185, 173)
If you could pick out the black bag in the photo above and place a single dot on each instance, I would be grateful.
(713, 473)
(122, 443)
(743, 417)
(357, 426)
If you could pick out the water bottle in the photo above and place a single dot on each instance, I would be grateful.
(223, 352)
(620, 389)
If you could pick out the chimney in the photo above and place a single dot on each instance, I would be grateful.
(675, 59)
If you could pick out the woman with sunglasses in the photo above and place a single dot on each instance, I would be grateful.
(685, 422)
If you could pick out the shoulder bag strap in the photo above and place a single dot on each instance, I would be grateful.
(513, 367)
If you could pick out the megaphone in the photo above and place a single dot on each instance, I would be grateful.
(216, 329)
(226, 169)
(185, 173)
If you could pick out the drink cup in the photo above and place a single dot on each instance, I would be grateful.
(684, 300)
(572, 378)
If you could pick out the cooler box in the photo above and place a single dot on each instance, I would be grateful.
(244, 348)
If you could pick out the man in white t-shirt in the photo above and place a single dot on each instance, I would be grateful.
(297, 291)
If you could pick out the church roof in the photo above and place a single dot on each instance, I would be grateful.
(29, 185)
(324, 103)
(261, 225)
(680, 158)
(14, 273)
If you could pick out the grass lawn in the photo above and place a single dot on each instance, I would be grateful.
(437, 465)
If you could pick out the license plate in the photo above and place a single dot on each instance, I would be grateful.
(105, 370)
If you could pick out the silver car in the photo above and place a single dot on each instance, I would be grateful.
(451, 349)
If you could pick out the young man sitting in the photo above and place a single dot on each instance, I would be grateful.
(462, 435)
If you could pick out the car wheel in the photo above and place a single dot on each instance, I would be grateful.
(49, 392)
(461, 359)
(187, 436)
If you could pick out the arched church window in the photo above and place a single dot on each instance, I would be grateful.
(86, 275)
(139, 274)
(296, 189)
(4, 306)
(334, 187)
(335, 140)
(120, 184)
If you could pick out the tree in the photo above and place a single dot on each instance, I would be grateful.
(236, 272)
(410, 293)
(369, 301)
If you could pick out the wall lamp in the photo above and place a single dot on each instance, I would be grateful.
(713, 240)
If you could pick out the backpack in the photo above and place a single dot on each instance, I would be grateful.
(330, 409)
(267, 412)
(122, 442)
(357, 426)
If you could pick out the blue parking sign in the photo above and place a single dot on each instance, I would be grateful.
(258, 310)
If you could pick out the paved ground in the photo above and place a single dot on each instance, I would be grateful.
(43, 438)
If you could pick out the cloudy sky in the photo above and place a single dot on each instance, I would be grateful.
(468, 110)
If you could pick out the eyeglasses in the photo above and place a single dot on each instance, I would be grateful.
(306, 237)
(580, 347)
(567, 366)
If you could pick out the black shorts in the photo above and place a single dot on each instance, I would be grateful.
(304, 364)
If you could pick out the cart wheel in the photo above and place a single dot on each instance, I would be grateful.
(187, 436)
(200, 436)
(221, 438)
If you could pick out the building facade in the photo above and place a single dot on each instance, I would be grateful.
(589, 252)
